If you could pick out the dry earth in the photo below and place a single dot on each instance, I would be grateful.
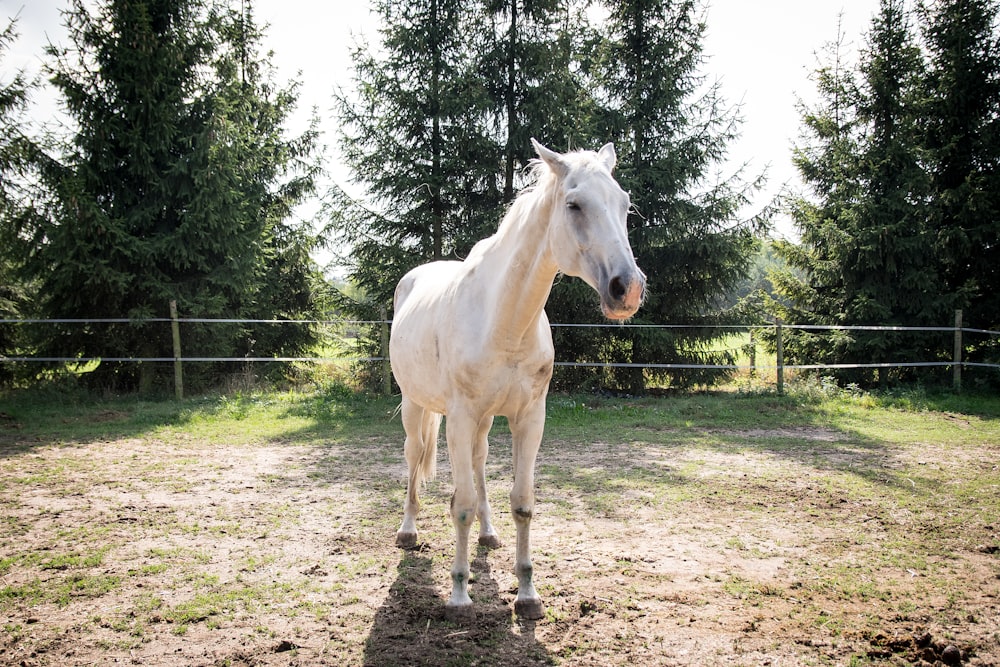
(764, 548)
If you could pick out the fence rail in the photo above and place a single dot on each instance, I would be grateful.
(957, 363)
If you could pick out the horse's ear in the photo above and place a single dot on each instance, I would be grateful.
(608, 156)
(555, 161)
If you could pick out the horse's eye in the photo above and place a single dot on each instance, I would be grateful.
(573, 206)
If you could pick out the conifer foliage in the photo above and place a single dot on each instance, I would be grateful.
(178, 184)
(440, 123)
(672, 132)
(961, 119)
(900, 226)
(438, 128)
(16, 153)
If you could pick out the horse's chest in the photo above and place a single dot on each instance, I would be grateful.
(505, 383)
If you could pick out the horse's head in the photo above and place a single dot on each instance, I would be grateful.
(587, 232)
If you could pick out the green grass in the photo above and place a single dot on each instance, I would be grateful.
(266, 415)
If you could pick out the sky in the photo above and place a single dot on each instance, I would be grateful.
(761, 52)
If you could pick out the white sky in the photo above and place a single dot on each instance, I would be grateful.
(761, 51)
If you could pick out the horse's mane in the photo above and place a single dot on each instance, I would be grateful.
(540, 180)
(539, 188)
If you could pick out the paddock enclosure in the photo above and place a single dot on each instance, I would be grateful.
(726, 529)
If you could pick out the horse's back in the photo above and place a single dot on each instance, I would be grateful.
(424, 281)
(416, 344)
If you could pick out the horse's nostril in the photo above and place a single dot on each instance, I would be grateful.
(617, 289)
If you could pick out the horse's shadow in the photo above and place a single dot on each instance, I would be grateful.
(410, 627)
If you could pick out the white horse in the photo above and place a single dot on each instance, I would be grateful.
(471, 340)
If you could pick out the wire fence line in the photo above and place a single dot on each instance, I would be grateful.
(596, 325)
(388, 323)
(778, 365)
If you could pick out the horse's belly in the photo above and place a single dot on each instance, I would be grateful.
(416, 365)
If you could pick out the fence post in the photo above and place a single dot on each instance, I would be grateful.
(386, 367)
(175, 331)
(956, 367)
(753, 354)
(780, 350)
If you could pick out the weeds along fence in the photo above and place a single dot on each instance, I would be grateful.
(775, 363)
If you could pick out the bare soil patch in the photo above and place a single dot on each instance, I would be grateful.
(791, 546)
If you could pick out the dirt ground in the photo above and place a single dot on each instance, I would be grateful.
(702, 548)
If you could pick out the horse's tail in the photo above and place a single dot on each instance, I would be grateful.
(430, 428)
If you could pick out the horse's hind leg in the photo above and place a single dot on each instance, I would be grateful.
(420, 451)
(487, 534)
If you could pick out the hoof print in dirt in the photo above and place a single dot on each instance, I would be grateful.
(460, 615)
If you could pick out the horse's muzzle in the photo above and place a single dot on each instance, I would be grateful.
(623, 296)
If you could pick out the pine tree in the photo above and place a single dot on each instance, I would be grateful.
(670, 132)
(868, 251)
(415, 136)
(172, 186)
(962, 124)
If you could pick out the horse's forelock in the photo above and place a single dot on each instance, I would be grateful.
(540, 178)
(535, 171)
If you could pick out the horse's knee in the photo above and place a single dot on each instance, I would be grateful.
(522, 514)
(463, 507)
(522, 505)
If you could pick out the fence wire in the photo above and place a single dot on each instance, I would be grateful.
(577, 364)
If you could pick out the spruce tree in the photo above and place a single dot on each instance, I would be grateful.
(868, 251)
(889, 273)
(415, 134)
(825, 157)
(671, 131)
(272, 174)
(962, 125)
(16, 151)
(171, 187)
(536, 95)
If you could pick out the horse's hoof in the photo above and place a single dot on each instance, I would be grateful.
(489, 541)
(529, 610)
(462, 614)
(406, 540)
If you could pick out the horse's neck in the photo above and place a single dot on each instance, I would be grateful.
(523, 270)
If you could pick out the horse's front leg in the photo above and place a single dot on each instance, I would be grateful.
(527, 437)
(460, 431)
